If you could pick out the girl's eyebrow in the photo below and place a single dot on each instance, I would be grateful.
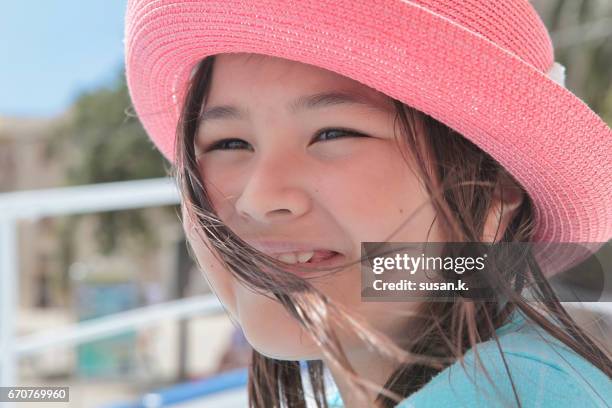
(314, 101)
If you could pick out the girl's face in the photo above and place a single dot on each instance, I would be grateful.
(283, 178)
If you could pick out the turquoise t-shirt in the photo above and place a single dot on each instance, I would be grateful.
(544, 375)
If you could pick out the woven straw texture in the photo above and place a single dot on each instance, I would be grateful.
(478, 66)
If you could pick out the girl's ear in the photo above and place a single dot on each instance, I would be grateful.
(511, 195)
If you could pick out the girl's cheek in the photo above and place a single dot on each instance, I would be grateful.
(219, 279)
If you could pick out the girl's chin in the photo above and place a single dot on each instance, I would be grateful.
(288, 355)
(279, 347)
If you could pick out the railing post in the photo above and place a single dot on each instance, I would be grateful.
(8, 300)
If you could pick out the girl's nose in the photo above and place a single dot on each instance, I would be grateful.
(275, 191)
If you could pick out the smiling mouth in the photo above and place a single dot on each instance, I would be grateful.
(335, 258)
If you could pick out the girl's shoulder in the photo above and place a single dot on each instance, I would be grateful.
(545, 372)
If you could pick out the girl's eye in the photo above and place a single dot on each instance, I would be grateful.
(225, 144)
(222, 144)
(336, 131)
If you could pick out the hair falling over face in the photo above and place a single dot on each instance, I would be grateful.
(461, 180)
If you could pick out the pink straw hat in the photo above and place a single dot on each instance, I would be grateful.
(484, 68)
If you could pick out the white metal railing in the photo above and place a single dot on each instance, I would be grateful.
(91, 198)
(106, 326)
(21, 205)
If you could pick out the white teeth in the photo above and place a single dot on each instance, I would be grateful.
(295, 257)
(305, 256)
(287, 258)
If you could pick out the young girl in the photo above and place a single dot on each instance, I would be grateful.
(298, 130)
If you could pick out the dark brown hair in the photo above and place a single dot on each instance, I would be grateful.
(461, 180)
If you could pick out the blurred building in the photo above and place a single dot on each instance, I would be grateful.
(25, 165)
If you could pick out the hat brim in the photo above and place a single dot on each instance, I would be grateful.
(543, 134)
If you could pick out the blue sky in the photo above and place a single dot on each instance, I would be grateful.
(50, 50)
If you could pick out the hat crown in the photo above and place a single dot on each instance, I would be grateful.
(512, 24)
